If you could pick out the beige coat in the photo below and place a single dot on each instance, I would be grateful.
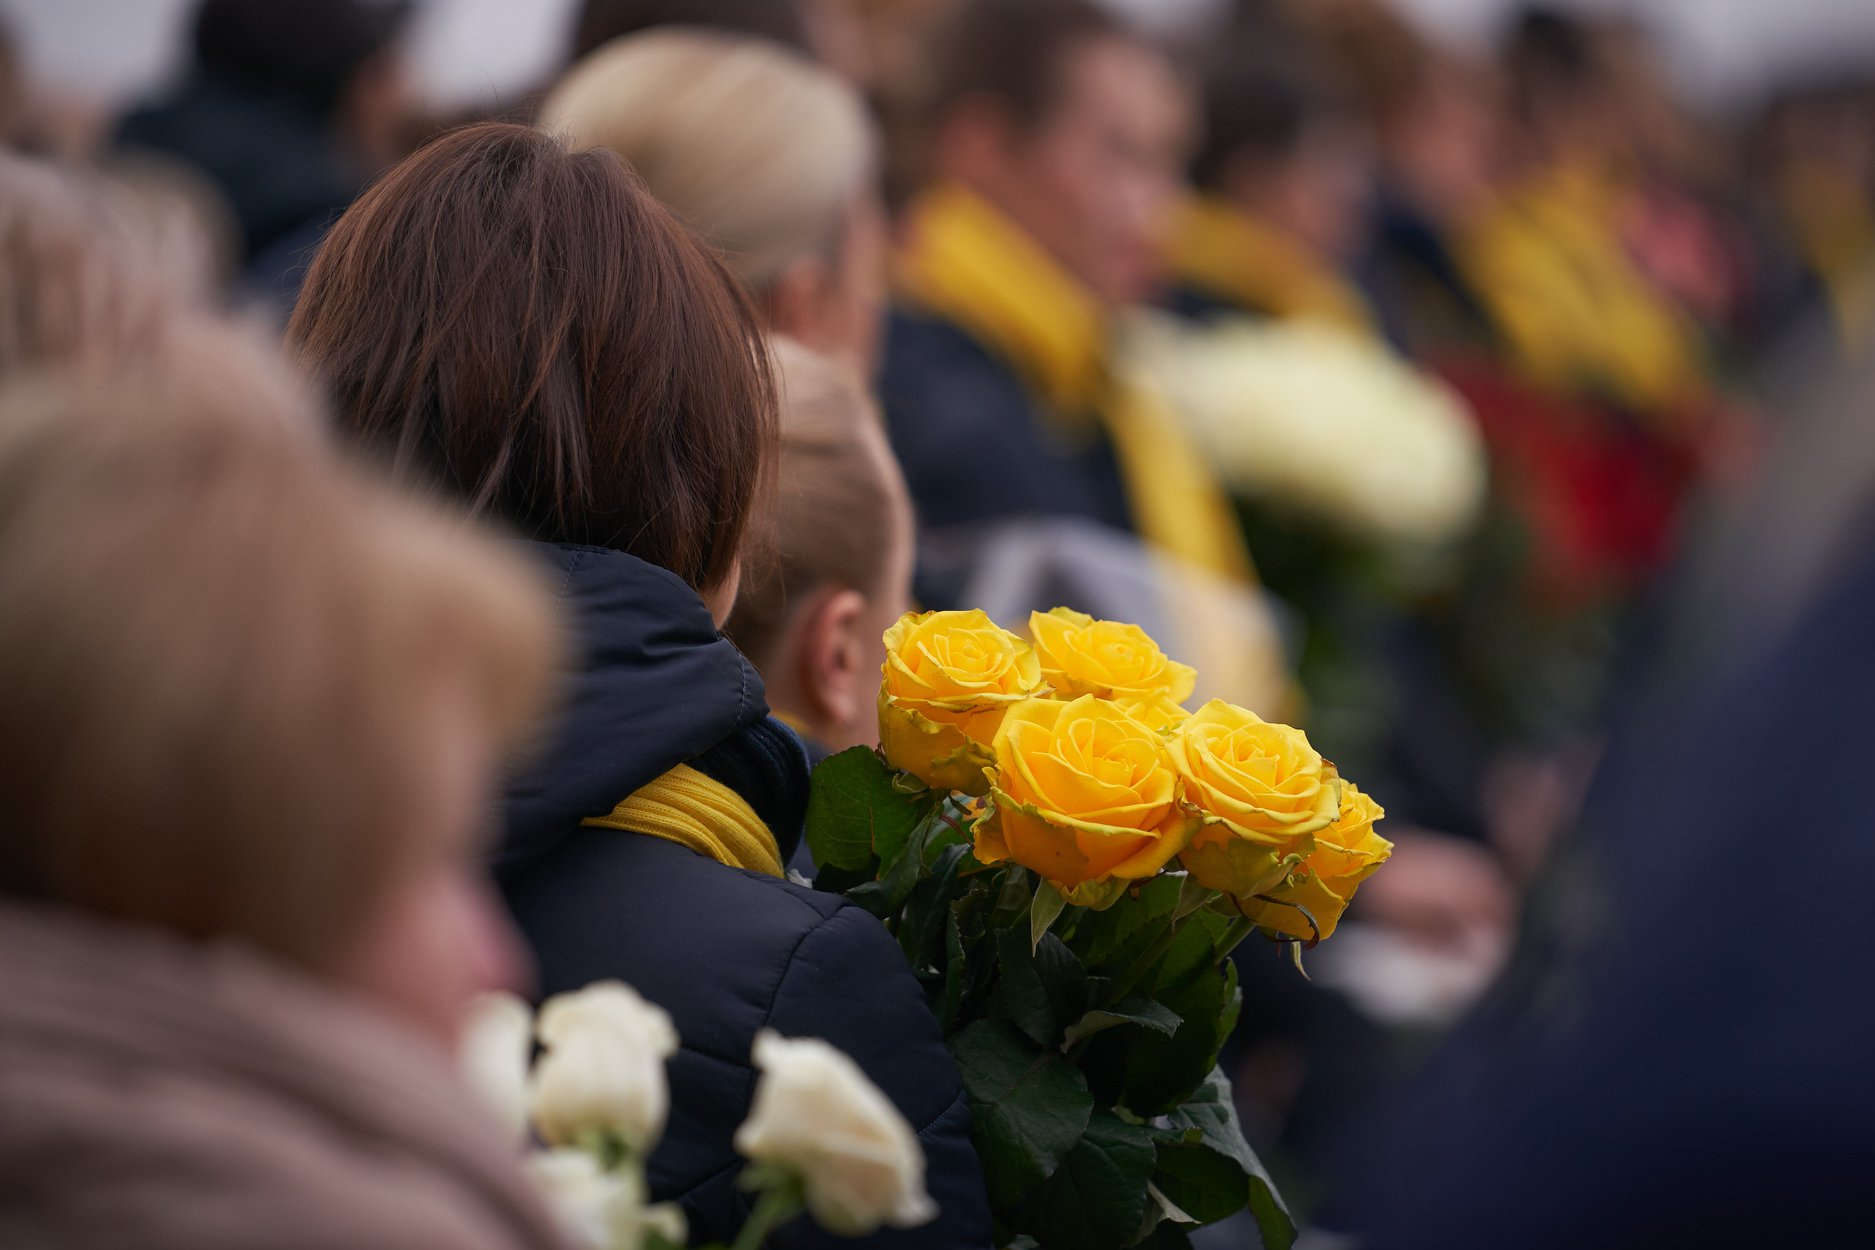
(158, 1095)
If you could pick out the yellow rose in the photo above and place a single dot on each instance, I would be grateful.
(949, 677)
(1156, 712)
(1083, 793)
(1346, 854)
(1262, 780)
(1081, 655)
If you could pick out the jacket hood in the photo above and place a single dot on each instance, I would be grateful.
(656, 685)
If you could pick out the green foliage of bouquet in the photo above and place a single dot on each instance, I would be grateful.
(1068, 856)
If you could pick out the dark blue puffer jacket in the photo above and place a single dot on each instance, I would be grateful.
(726, 952)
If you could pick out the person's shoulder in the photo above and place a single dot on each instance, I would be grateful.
(920, 346)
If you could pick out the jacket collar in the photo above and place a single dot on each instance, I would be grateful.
(656, 686)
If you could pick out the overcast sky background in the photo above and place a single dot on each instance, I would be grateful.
(471, 51)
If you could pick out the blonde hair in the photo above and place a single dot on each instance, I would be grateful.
(839, 498)
(74, 288)
(755, 147)
(224, 650)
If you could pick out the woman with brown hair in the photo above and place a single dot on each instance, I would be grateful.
(530, 331)
(255, 706)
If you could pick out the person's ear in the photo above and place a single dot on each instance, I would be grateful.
(801, 303)
(832, 658)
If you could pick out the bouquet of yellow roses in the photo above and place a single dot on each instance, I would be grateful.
(1068, 855)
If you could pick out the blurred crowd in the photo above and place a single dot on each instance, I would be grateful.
(1458, 404)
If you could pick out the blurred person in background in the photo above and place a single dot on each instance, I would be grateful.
(767, 155)
(837, 542)
(1676, 1057)
(257, 705)
(289, 110)
(1057, 135)
(832, 31)
(1283, 175)
(529, 330)
(1813, 167)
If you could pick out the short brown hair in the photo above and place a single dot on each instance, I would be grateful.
(223, 651)
(839, 496)
(1013, 53)
(529, 328)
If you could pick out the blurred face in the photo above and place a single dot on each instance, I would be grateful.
(1319, 195)
(1093, 182)
(439, 936)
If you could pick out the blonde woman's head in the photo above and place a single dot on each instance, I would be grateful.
(252, 694)
(836, 544)
(769, 156)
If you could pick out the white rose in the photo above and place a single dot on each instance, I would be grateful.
(604, 1066)
(817, 1115)
(601, 1210)
(496, 1041)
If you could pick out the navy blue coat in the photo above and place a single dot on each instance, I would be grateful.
(976, 445)
(1680, 1055)
(726, 952)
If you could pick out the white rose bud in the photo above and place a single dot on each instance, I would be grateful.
(601, 1210)
(496, 1041)
(604, 1066)
(817, 1115)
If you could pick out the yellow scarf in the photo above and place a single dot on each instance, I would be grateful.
(1829, 216)
(694, 810)
(1225, 252)
(1550, 264)
(969, 264)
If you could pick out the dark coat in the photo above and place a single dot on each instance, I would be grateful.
(977, 445)
(277, 161)
(1679, 1055)
(726, 952)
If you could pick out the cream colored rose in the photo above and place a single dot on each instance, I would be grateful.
(603, 1071)
(948, 679)
(597, 1209)
(492, 1054)
(817, 1115)
(1081, 655)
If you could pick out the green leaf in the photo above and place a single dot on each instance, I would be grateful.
(921, 929)
(1207, 1167)
(1039, 991)
(1150, 1074)
(855, 813)
(1113, 936)
(1028, 1107)
(1046, 906)
(1143, 1012)
(1097, 1199)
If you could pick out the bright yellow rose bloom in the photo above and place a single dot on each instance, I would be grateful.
(1081, 655)
(1083, 793)
(1346, 854)
(1262, 780)
(949, 677)
(1156, 712)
